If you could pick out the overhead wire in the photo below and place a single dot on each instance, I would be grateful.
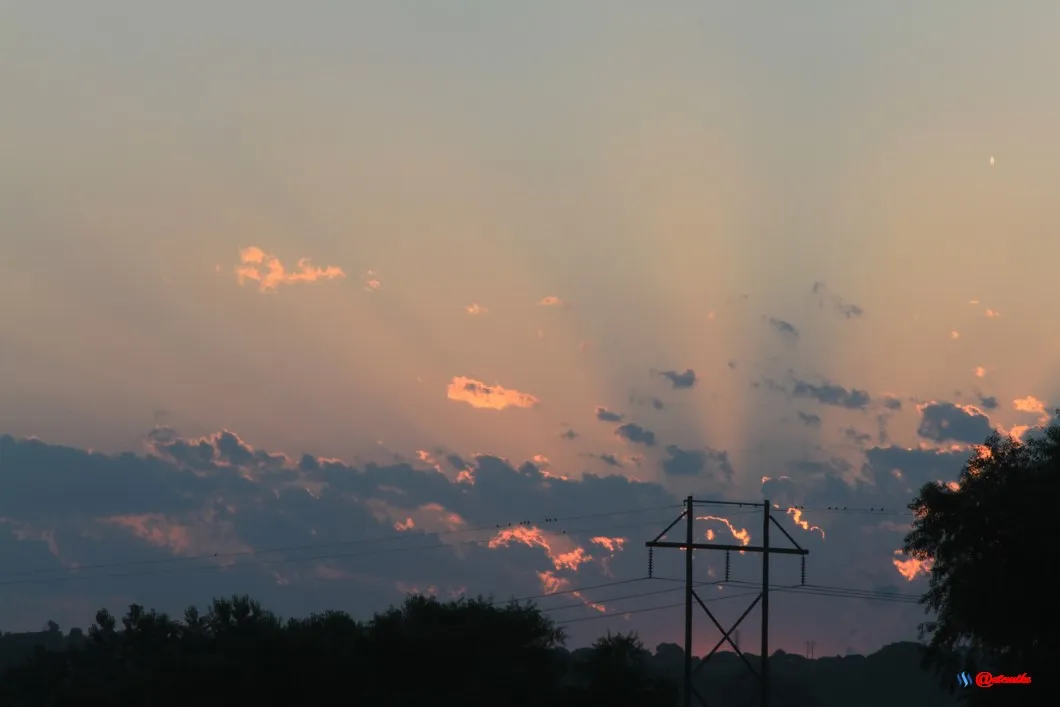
(16, 577)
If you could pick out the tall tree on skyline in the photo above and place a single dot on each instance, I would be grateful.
(990, 542)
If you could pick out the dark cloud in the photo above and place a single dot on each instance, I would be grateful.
(836, 302)
(609, 459)
(892, 403)
(605, 415)
(819, 468)
(655, 403)
(786, 330)
(882, 435)
(636, 434)
(236, 507)
(697, 462)
(809, 419)
(679, 380)
(830, 394)
(988, 402)
(856, 437)
(211, 497)
(769, 384)
(732, 364)
(569, 434)
(916, 467)
(946, 422)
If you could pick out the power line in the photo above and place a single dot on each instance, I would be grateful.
(29, 576)
(575, 590)
(840, 592)
(651, 608)
(614, 599)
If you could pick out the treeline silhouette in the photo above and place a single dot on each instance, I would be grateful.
(463, 653)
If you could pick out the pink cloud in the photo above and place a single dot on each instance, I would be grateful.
(255, 265)
(488, 397)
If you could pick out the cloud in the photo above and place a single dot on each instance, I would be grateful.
(847, 310)
(786, 330)
(980, 372)
(988, 402)
(488, 397)
(992, 313)
(569, 434)
(892, 403)
(830, 394)
(363, 535)
(606, 458)
(236, 508)
(475, 309)
(551, 301)
(949, 422)
(809, 419)
(266, 269)
(855, 436)
(1029, 404)
(680, 381)
(696, 462)
(636, 434)
(605, 415)
(655, 403)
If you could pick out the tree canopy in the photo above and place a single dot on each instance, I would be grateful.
(990, 542)
(464, 652)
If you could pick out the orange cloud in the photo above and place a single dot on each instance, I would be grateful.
(980, 372)
(992, 313)
(551, 301)
(550, 583)
(742, 534)
(591, 604)
(1029, 404)
(488, 397)
(796, 516)
(910, 568)
(475, 308)
(1018, 431)
(266, 269)
(180, 538)
(532, 536)
(609, 544)
(954, 334)
(429, 517)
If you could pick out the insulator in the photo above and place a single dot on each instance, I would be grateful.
(651, 561)
(804, 569)
(727, 562)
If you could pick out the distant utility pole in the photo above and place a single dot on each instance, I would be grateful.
(810, 646)
(689, 546)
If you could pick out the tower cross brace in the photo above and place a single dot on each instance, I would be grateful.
(690, 546)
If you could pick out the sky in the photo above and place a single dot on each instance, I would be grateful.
(311, 301)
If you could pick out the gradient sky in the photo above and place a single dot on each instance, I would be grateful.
(392, 233)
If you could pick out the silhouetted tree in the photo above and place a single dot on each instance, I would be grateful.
(617, 672)
(995, 565)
